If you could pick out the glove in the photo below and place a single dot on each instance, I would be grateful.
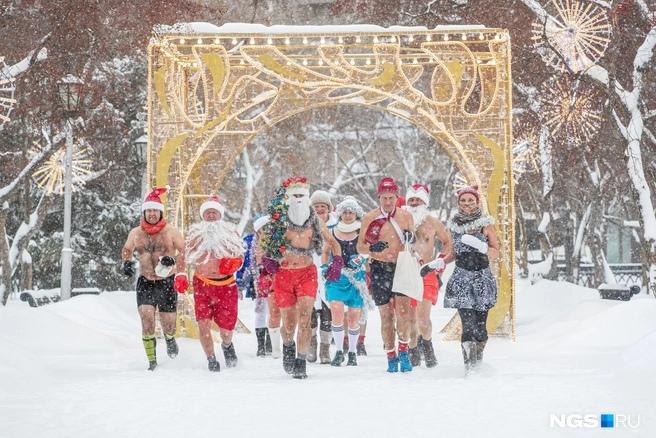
(379, 246)
(229, 265)
(436, 265)
(270, 265)
(181, 283)
(475, 243)
(167, 261)
(335, 269)
(409, 236)
(165, 266)
(128, 268)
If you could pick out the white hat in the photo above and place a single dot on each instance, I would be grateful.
(214, 202)
(420, 191)
(260, 222)
(152, 201)
(321, 197)
(350, 204)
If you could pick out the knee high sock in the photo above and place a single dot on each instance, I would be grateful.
(338, 335)
(274, 334)
(149, 343)
(353, 334)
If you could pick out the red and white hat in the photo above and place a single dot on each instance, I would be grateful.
(420, 191)
(387, 185)
(472, 190)
(152, 201)
(213, 201)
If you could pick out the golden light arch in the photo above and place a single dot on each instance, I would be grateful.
(212, 89)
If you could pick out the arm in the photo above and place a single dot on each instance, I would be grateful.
(179, 245)
(363, 246)
(492, 242)
(128, 248)
(325, 254)
(444, 236)
(330, 241)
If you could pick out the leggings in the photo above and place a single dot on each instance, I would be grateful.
(323, 315)
(473, 325)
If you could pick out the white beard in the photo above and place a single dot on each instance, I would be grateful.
(419, 214)
(217, 238)
(299, 210)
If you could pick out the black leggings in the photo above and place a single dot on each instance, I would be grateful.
(473, 325)
(322, 315)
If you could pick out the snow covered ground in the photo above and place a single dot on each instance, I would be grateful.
(77, 369)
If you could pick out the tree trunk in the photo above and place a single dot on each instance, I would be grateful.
(5, 285)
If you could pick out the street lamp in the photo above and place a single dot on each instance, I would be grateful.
(70, 92)
(140, 145)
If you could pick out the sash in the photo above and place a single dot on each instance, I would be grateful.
(373, 231)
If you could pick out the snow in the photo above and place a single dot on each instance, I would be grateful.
(254, 28)
(77, 368)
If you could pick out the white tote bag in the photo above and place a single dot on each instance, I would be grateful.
(407, 280)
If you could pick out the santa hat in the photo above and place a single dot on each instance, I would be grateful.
(350, 204)
(400, 201)
(321, 197)
(214, 202)
(472, 190)
(152, 201)
(296, 185)
(260, 222)
(420, 191)
(387, 185)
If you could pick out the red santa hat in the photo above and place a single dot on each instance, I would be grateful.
(153, 201)
(420, 191)
(212, 202)
(387, 185)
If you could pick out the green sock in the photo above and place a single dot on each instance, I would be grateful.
(149, 344)
(169, 337)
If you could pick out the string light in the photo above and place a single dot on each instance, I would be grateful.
(269, 40)
(305, 40)
(252, 41)
(340, 40)
(375, 38)
(234, 41)
(323, 40)
(287, 40)
(429, 37)
(411, 38)
(199, 41)
(357, 39)
(368, 61)
(305, 62)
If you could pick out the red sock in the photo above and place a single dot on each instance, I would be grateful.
(403, 347)
(361, 339)
(391, 354)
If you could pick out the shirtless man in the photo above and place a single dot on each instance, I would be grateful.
(382, 236)
(215, 248)
(295, 282)
(428, 228)
(160, 250)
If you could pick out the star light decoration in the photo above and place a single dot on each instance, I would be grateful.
(525, 150)
(50, 176)
(573, 36)
(7, 93)
(571, 110)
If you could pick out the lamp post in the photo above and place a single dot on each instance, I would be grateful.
(70, 92)
(140, 146)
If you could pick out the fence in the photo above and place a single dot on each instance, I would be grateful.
(625, 273)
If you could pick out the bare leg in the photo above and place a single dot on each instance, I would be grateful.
(387, 326)
(304, 307)
(353, 318)
(147, 315)
(424, 323)
(226, 336)
(206, 341)
(289, 321)
(402, 310)
(413, 327)
(274, 313)
(168, 320)
(337, 310)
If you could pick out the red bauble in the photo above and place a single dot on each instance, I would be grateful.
(275, 216)
(282, 249)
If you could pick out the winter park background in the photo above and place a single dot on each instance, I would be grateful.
(585, 178)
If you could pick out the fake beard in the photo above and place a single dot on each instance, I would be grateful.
(217, 238)
(419, 213)
(299, 210)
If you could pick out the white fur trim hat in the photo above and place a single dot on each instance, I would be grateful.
(350, 204)
(420, 191)
(152, 201)
(321, 197)
(214, 202)
(260, 222)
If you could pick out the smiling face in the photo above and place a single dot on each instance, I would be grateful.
(152, 215)
(348, 217)
(211, 215)
(467, 203)
(321, 210)
(415, 202)
(387, 202)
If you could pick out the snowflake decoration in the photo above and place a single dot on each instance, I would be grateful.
(459, 182)
(573, 36)
(525, 150)
(571, 110)
(7, 93)
(50, 175)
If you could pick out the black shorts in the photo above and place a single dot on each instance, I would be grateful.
(382, 278)
(158, 293)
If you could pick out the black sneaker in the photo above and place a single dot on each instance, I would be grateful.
(152, 365)
(229, 355)
(360, 349)
(213, 364)
(171, 347)
(352, 360)
(415, 358)
(288, 356)
(338, 359)
(299, 370)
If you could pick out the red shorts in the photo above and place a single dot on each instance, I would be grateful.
(216, 300)
(431, 288)
(290, 284)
